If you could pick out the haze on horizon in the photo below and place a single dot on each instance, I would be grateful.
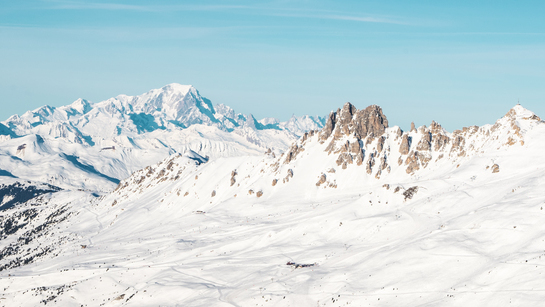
(458, 64)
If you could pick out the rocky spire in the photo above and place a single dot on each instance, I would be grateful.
(351, 121)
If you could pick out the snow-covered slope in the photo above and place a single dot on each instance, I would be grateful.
(358, 214)
(111, 139)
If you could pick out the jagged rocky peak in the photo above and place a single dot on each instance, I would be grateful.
(351, 121)
(519, 112)
(516, 121)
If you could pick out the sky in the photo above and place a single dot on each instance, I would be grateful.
(459, 63)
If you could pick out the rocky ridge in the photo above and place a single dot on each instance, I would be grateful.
(363, 138)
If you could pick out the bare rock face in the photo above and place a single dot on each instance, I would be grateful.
(321, 180)
(213, 193)
(425, 142)
(435, 128)
(413, 129)
(351, 121)
(370, 164)
(441, 141)
(274, 182)
(412, 163)
(288, 176)
(380, 143)
(495, 168)
(405, 144)
(259, 194)
(233, 179)
(329, 126)
(344, 159)
(424, 158)
(292, 153)
(369, 123)
(458, 144)
(410, 192)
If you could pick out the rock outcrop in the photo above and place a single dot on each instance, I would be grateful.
(363, 138)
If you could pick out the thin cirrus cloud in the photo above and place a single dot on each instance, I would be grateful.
(78, 5)
(297, 13)
(346, 18)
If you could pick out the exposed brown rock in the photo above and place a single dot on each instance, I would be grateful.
(380, 143)
(458, 144)
(350, 121)
(435, 128)
(274, 182)
(399, 133)
(329, 126)
(213, 193)
(292, 153)
(424, 158)
(233, 180)
(355, 147)
(370, 122)
(259, 194)
(321, 180)
(370, 163)
(440, 141)
(413, 129)
(412, 162)
(405, 144)
(410, 192)
(250, 192)
(344, 159)
(533, 117)
(425, 142)
(288, 176)
(495, 168)
(383, 162)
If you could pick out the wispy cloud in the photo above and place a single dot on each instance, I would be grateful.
(346, 18)
(80, 5)
(77, 5)
(255, 9)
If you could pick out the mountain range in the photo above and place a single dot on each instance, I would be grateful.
(93, 146)
(162, 199)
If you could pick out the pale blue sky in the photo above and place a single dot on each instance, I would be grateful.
(457, 62)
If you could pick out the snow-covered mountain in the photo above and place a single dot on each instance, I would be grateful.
(93, 146)
(356, 213)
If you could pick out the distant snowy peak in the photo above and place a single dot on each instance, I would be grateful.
(125, 133)
(176, 102)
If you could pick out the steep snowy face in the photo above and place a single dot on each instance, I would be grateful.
(173, 102)
(5, 133)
